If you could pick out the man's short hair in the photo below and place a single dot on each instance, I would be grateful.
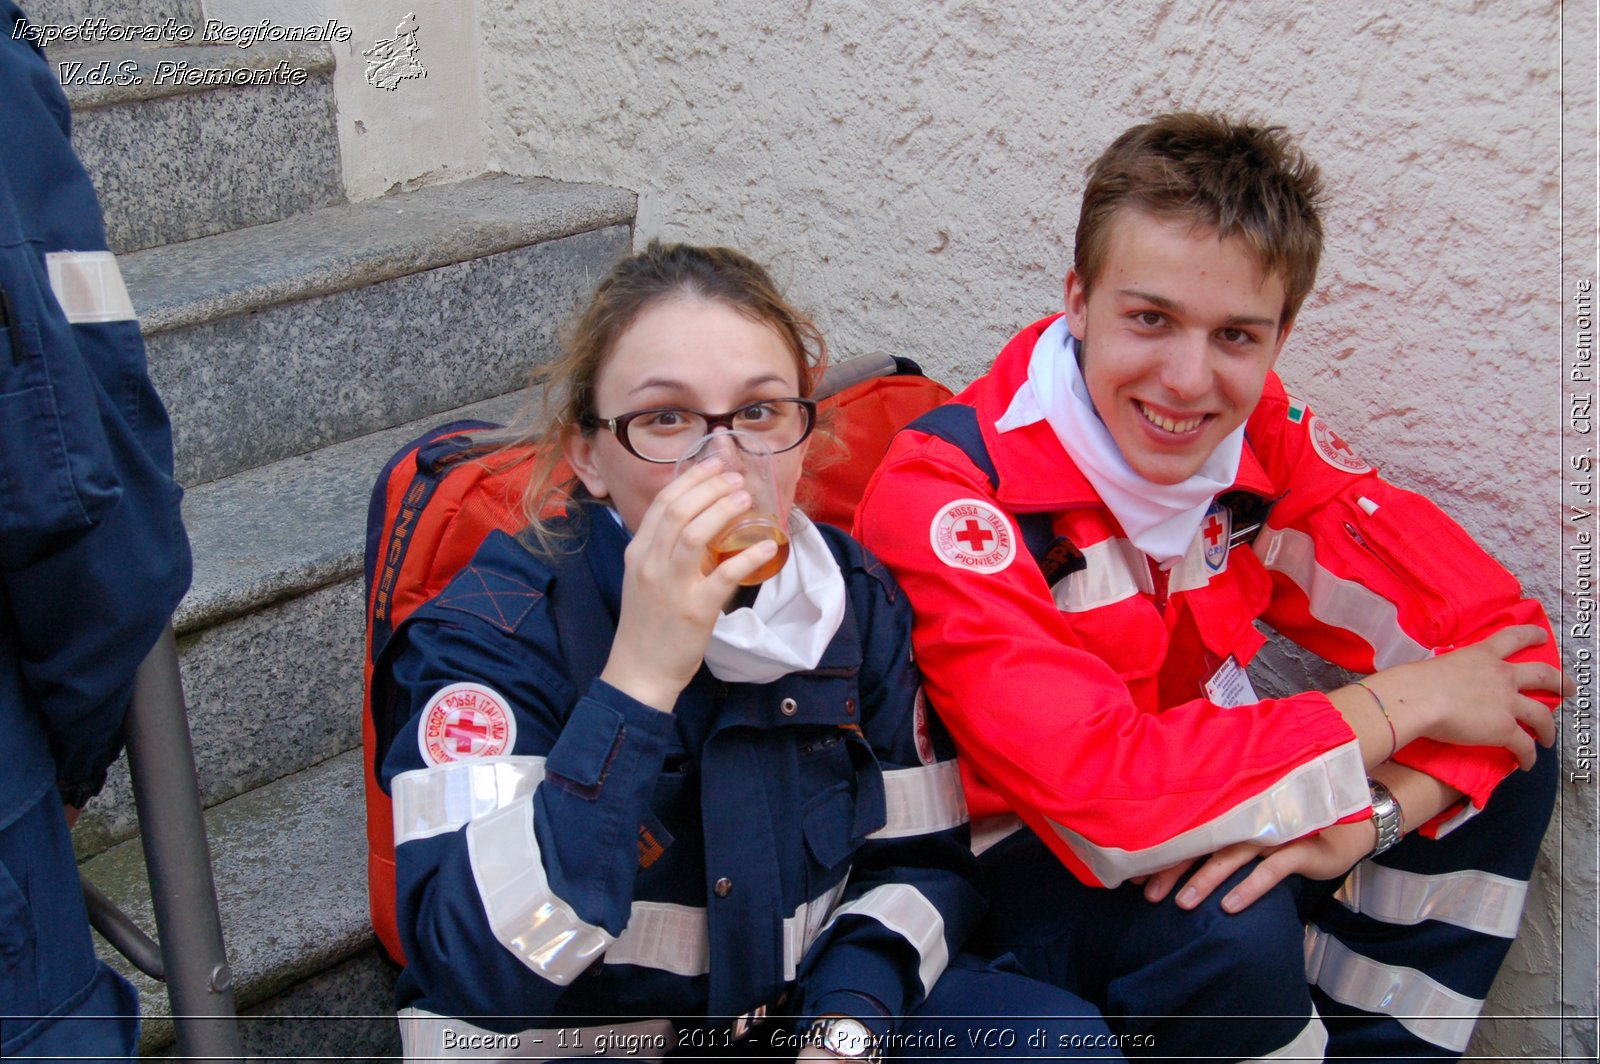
(1238, 179)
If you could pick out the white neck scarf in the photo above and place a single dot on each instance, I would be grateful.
(793, 619)
(1160, 519)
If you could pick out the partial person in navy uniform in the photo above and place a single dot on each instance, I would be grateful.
(93, 559)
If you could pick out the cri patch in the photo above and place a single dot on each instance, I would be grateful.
(466, 720)
(1331, 448)
(1215, 530)
(969, 534)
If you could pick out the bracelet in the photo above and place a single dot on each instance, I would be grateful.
(1394, 737)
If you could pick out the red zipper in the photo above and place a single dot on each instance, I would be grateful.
(1162, 578)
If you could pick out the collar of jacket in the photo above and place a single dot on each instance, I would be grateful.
(1036, 473)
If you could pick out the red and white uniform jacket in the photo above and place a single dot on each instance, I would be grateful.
(1110, 711)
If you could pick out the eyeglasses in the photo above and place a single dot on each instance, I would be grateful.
(663, 433)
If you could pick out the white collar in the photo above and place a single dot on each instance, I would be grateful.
(1160, 519)
(793, 619)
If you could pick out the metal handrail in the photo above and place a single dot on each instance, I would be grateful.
(118, 928)
(192, 958)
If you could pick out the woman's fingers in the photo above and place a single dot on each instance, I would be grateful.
(1538, 718)
(736, 569)
(1508, 641)
(1215, 871)
(1158, 885)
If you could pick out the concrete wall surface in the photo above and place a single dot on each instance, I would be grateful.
(912, 173)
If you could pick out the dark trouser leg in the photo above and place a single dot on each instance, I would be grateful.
(1178, 984)
(1404, 954)
(58, 1000)
(981, 1009)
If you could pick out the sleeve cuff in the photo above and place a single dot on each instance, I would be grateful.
(864, 1007)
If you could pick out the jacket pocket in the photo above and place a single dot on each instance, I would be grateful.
(56, 472)
(827, 820)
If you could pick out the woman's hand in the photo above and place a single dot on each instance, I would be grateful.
(669, 603)
(1470, 697)
(1328, 854)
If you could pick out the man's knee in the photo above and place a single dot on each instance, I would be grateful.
(1207, 961)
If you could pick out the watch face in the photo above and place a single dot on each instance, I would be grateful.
(847, 1038)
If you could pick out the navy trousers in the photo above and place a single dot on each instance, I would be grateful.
(56, 998)
(1393, 962)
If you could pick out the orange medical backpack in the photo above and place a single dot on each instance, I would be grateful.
(436, 501)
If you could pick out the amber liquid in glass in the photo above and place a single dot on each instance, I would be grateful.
(745, 534)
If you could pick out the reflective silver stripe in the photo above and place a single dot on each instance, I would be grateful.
(1477, 901)
(672, 938)
(495, 797)
(88, 286)
(1113, 569)
(431, 801)
(1310, 797)
(922, 800)
(1337, 601)
(1310, 1044)
(1191, 571)
(1429, 1010)
(990, 830)
(539, 929)
(1467, 812)
(904, 910)
(677, 938)
(802, 929)
(429, 1036)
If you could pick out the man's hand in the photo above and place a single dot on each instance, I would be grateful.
(72, 812)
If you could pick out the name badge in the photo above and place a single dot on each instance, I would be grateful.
(1230, 685)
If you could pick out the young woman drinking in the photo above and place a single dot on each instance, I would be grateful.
(642, 812)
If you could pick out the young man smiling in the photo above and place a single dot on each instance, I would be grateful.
(1089, 535)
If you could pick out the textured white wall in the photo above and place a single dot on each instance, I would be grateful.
(425, 130)
(912, 172)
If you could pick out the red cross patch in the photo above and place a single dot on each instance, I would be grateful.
(970, 534)
(1215, 531)
(466, 720)
(1331, 448)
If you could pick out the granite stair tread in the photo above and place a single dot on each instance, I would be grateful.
(141, 70)
(271, 632)
(186, 140)
(290, 865)
(295, 525)
(126, 13)
(283, 338)
(338, 248)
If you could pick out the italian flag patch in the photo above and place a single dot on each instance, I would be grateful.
(1297, 410)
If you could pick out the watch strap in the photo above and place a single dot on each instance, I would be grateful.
(1387, 816)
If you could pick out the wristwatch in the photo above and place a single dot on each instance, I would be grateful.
(1387, 816)
(846, 1037)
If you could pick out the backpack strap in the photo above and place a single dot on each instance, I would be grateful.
(957, 424)
(433, 455)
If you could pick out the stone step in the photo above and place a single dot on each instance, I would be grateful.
(290, 866)
(270, 635)
(186, 141)
(80, 18)
(280, 339)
